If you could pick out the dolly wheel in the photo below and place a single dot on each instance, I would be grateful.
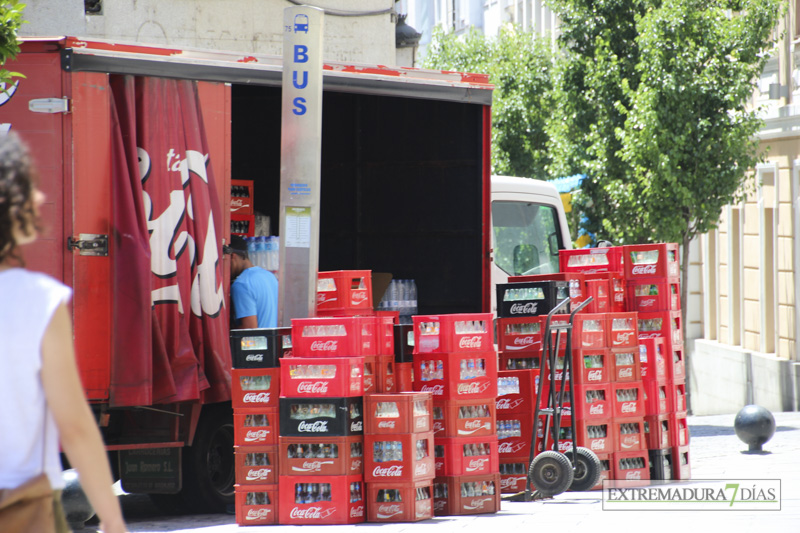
(551, 473)
(587, 469)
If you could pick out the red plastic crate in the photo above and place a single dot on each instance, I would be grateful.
(400, 502)
(628, 399)
(625, 364)
(255, 387)
(515, 391)
(464, 418)
(591, 260)
(321, 500)
(255, 427)
(649, 295)
(629, 434)
(340, 336)
(657, 400)
(344, 290)
(576, 280)
(606, 470)
(597, 435)
(256, 465)
(514, 435)
(466, 456)
(519, 360)
(676, 394)
(676, 366)
(444, 375)
(617, 298)
(600, 292)
(384, 332)
(664, 324)
(321, 456)
(256, 505)
(522, 334)
(622, 330)
(242, 204)
(681, 467)
(593, 402)
(322, 377)
(399, 457)
(652, 356)
(513, 475)
(404, 377)
(462, 495)
(592, 366)
(652, 261)
(678, 429)
(467, 332)
(405, 412)
(244, 225)
(632, 466)
(379, 376)
(588, 330)
(657, 431)
(321, 417)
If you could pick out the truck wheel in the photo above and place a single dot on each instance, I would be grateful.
(208, 465)
(551, 473)
(587, 469)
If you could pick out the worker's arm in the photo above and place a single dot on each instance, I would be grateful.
(249, 322)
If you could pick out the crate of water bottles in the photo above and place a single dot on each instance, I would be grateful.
(321, 456)
(398, 457)
(515, 391)
(401, 298)
(400, 502)
(344, 292)
(256, 505)
(514, 434)
(405, 412)
(320, 377)
(464, 418)
(522, 334)
(263, 251)
(334, 336)
(321, 500)
(466, 332)
(460, 495)
(455, 376)
(461, 456)
(530, 298)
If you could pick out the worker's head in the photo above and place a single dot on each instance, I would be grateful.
(237, 249)
(19, 197)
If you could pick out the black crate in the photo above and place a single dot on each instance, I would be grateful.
(259, 348)
(661, 464)
(403, 343)
(531, 298)
(297, 418)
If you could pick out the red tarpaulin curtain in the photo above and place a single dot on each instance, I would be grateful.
(170, 336)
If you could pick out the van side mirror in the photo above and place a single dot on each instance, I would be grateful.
(552, 240)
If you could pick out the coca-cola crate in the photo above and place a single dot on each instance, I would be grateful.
(404, 343)
(661, 464)
(676, 366)
(339, 336)
(255, 427)
(462, 456)
(657, 400)
(664, 324)
(606, 470)
(652, 261)
(678, 429)
(629, 434)
(322, 377)
(597, 435)
(588, 330)
(242, 197)
(464, 418)
(398, 457)
(628, 399)
(592, 366)
(521, 334)
(328, 456)
(654, 294)
(576, 281)
(462, 495)
(344, 290)
(514, 435)
(404, 376)
(256, 465)
(404, 412)
(455, 376)
(530, 298)
(617, 286)
(513, 475)
(321, 500)
(565, 440)
(400, 502)
(657, 431)
(244, 225)
(622, 330)
(466, 332)
(632, 466)
(324, 417)
(676, 394)
(256, 505)
(379, 374)
(652, 356)
(255, 387)
(384, 332)
(515, 391)
(600, 292)
(591, 260)
(625, 364)
(681, 467)
(519, 360)
(593, 402)
(259, 348)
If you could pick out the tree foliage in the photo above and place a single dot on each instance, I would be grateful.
(518, 64)
(10, 21)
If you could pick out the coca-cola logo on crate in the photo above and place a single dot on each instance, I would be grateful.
(311, 466)
(255, 435)
(633, 474)
(423, 509)
(388, 511)
(477, 503)
(594, 375)
(256, 397)
(508, 447)
(628, 407)
(254, 357)
(470, 343)
(505, 403)
(596, 409)
(644, 270)
(257, 514)
(319, 426)
(598, 444)
(472, 388)
(311, 513)
(623, 338)
(356, 511)
(507, 482)
(356, 426)
(388, 471)
(647, 302)
(522, 342)
(358, 297)
(312, 387)
(524, 309)
(324, 346)
(477, 464)
(473, 424)
(437, 390)
(386, 424)
(626, 372)
(421, 469)
(257, 474)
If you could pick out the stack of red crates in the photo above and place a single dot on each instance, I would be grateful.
(516, 398)
(243, 220)
(399, 463)
(455, 360)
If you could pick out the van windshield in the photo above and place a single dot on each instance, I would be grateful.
(526, 238)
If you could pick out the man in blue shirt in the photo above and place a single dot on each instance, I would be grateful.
(254, 290)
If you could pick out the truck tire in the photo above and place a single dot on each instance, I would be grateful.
(208, 465)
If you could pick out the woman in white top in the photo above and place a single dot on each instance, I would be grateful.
(41, 397)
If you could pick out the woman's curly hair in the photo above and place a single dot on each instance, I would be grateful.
(16, 193)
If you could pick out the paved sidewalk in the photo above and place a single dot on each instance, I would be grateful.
(716, 453)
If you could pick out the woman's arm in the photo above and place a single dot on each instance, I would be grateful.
(80, 438)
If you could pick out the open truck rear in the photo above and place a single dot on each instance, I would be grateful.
(136, 147)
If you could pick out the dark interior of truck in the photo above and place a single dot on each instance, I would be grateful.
(401, 187)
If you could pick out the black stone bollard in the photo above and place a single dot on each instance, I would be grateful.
(754, 425)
